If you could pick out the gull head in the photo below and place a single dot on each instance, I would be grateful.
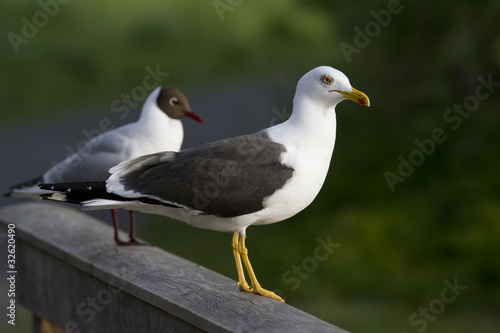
(175, 104)
(327, 86)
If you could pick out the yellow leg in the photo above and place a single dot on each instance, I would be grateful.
(239, 268)
(243, 253)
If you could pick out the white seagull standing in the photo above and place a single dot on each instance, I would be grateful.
(231, 184)
(158, 129)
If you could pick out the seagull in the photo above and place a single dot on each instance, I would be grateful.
(159, 128)
(231, 184)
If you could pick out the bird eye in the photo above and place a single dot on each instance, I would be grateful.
(174, 101)
(327, 80)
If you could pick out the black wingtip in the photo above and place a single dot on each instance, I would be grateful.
(46, 186)
(57, 187)
(29, 183)
(76, 192)
(7, 195)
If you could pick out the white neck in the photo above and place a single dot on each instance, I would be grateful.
(150, 110)
(311, 129)
(309, 137)
(166, 133)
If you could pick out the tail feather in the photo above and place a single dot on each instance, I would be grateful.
(87, 192)
(77, 192)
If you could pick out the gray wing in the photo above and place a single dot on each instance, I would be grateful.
(92, 161)
(225, 178)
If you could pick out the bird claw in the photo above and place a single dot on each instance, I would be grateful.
(267, 293)
(259, 291)
(245, 287)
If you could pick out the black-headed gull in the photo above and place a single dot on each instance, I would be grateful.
(159, 128)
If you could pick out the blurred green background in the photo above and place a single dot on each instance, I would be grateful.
(396, 246)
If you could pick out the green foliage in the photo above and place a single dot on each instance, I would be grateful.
(92, 50)
(396, 246)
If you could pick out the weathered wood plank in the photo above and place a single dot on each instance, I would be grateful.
(71, 273)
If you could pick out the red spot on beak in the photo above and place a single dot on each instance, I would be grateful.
(360, 101)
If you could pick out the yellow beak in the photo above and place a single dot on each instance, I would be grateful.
(356, 96)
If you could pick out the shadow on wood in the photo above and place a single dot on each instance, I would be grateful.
(71, 273)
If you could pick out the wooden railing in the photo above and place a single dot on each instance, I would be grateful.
(72, 277)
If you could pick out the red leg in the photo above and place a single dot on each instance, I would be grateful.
(118, 241)
(132, 226)
(133, 240)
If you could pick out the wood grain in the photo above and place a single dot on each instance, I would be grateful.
(71, 273)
